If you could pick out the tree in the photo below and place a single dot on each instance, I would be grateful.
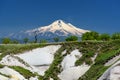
(104, 37)
(25, 40)
(115, 36)
(36, 35)
(56, 39)
(72, 38)
(90, 36)
(6, 40)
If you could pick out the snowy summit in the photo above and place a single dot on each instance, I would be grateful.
(57, 29)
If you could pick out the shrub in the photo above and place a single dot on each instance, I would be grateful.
(72, 38)
(104, 37)
(116, 36)
(25, 40)
(6, 40)
(90, 36)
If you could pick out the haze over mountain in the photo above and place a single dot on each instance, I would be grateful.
(57, 29)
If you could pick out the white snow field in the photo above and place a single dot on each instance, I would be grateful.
(69, 60)
(3, 78)
(11, 60)
(70, 71)
(113, 73)
(40, 58)
(12, 73)
(73, 73)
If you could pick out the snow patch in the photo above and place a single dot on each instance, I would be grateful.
(3, 78)
(70, 71)
(69, 60)
(11, 61)
(73, 73)
(113, 60)
(64, 52)
(94, 57)
(40, 69)
(33, 78)
(115, 73)
(40, 56)
(112, 73)
(10, 72)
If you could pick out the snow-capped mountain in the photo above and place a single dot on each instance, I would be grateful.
(57, 29)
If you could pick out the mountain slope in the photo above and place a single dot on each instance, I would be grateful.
(57, 29)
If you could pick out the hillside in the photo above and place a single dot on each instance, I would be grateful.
(87, 60)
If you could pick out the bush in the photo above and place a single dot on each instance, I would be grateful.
(90, 36)
(72, 38)
(116, 36)
(104, 37)
(25, 40)
(6, 40)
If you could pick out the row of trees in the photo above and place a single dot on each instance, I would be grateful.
(96, 36)
(86, 36)
(26, 40)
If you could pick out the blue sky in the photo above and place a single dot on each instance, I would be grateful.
(102, 16)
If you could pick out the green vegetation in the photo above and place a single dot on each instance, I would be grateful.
(104, 46)
(72, 38)
(90, 36)
(104, 37)
(107, 51)
(54, 68)
(26, 73)
(6, 40)
(17, 48)
(116, 36)
(25, 40)
(100, 37)
(94, 72)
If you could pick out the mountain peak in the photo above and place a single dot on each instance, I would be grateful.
(58, 22)
(57, 28)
